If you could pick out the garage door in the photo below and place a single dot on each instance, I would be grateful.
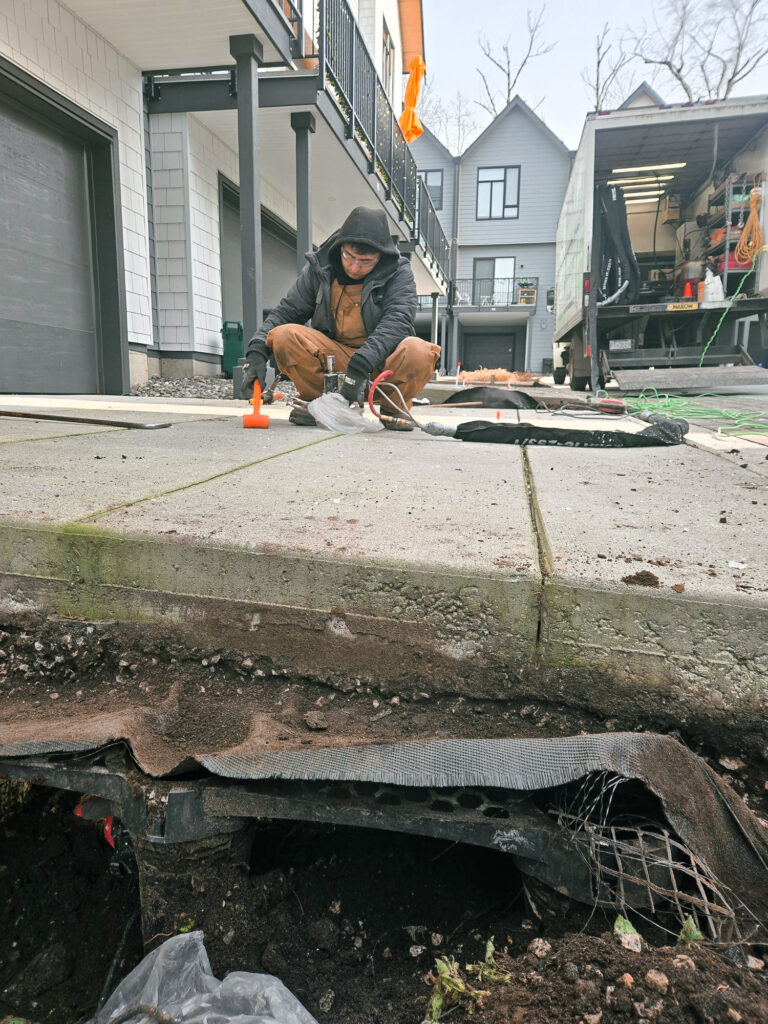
(492, 351)
(48, 338)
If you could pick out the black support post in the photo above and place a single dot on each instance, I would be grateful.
(248, 53)
(435, 299)
(303, 123)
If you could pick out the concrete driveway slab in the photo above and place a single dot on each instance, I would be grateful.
(401, 498)
(395, 553)
(655, 578)
(122, 406)
(579, 577)
(679, 514)
(70, 477)
(13, 431)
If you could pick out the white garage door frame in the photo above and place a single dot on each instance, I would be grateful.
(101, 147)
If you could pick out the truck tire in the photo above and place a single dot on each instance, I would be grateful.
(579, 383)
(559, 375)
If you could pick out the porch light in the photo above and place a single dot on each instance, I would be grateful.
(650, 167)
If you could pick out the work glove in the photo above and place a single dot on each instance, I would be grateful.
(254, 370)
(353, 388)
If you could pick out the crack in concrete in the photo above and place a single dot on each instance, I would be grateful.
(197, 483)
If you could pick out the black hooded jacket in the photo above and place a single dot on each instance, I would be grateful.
(388, 301)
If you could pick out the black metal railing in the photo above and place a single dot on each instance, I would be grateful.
(425, 302)
(492, 292)
(430, 229)
(348, 74)
(294, 15)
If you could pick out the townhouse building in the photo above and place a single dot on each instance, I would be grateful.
(164, 168)
(498, 202)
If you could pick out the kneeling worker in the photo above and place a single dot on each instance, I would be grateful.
(361, 297)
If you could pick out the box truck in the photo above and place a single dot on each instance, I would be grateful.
(660, 280)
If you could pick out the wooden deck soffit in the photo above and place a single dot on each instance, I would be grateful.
(411, 30)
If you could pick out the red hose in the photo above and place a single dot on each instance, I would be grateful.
(372, 391)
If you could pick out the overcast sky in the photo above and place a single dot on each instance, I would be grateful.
(452, 27)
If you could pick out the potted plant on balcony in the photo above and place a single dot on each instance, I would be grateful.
(526, 292)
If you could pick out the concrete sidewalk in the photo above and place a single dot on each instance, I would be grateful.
(618, 581)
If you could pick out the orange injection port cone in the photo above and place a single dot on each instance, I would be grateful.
(256, 418)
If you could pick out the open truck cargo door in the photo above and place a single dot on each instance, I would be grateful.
(690, 177)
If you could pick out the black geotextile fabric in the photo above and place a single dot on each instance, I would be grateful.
(493, 398)
(665, 432)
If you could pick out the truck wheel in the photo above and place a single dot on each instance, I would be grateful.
(559, 374)
(579, 383)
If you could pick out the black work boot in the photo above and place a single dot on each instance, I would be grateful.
(302, 418)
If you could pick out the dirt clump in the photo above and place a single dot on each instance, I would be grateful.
(595, 980)
(643, 578)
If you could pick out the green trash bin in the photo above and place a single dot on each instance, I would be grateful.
(232, 335)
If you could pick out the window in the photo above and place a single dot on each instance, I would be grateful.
(387, 60)
(434, 182)
(498, 192)
(493, 281)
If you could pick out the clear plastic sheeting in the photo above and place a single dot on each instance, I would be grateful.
(174, 984)
(334, 413)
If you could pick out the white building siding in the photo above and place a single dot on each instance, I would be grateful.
(168, 152)
(51, 44)
(544, 168)
(371, 16)
(207, 156)
(186, 160)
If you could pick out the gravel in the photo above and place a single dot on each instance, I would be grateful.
(215, 388)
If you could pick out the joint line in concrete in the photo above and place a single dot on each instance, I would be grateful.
(543, 551)
(197, 483)
(58, 437)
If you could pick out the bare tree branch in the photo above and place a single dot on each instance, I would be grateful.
(496, 100)
(707, 47)
(606, 79)
(490, 104)
(452, 122)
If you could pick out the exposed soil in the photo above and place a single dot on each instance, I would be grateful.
(352, 922)
(206, 699)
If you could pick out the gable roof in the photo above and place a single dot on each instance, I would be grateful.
(444, 151)
(516, 103)
(644, 89)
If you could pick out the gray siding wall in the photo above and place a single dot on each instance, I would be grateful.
(430, 157)
(544, 170)
(530, 261)
(516, 139)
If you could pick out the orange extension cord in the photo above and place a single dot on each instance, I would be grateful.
(751, 239)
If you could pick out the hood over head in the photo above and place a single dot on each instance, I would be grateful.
(364, 227)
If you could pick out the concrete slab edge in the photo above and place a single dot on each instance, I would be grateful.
(320, 617)
(626, 653)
